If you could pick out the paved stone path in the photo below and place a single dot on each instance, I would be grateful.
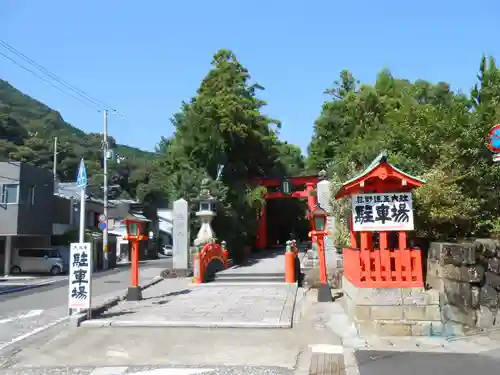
(147, 370)
(175, 303)
(270, 261)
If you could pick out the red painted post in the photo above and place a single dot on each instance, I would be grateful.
(225, 253)
(262, 229)
(197, 271)
(135, 264)
(289, 263)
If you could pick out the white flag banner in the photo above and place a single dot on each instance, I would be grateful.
(382, 212)
(80, 274)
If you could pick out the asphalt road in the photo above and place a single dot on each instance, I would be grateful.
(22, 313)
(418, 363)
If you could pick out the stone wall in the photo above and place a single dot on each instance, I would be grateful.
(393, 311)
(467, 276)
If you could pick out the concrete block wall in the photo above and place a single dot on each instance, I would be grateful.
(393, 311)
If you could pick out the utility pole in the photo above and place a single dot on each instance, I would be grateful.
(105, 188)
(54, 168)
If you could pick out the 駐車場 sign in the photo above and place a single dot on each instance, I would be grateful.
(382, 212)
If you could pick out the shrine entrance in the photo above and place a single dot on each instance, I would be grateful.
(286, 217)
(275, 227)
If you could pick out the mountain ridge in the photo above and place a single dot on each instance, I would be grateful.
(27, 131)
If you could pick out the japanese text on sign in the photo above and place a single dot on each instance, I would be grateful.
(382, 212)
(80, 273)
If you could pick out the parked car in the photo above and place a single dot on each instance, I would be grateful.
(167, 250)
(39, 260)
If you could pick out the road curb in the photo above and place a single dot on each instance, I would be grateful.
(77, 320)
(27, 287)
(183, 324)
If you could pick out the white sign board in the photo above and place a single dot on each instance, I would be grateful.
(80, 274)
(382, 212)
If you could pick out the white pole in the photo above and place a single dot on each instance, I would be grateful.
(105, 188)
(82, 215)
(54, 169)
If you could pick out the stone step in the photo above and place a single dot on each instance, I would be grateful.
(229, 274)
(249, 278)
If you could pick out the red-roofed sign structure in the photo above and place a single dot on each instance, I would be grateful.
(379, 256)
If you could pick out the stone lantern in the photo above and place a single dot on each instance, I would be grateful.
(206, 212)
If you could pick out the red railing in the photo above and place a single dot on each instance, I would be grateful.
(383, 268)
(211, 251)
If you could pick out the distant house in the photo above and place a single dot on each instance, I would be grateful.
(26, 209)
(166, 226)
(68, 215)
(67, 208)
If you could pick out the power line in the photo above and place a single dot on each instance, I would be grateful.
(50, 83)
(55, 76)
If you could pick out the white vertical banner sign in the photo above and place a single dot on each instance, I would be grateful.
(80, 276)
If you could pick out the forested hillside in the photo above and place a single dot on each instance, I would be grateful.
(222, 125)
(429, 131)
(27, 131)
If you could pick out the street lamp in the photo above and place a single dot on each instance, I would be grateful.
(136, 232)
(318, 223)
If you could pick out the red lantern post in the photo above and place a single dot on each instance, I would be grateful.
(136, 230)
(318, 222)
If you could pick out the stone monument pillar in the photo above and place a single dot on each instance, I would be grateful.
(324, 201)
(180, 235)
(206, 212)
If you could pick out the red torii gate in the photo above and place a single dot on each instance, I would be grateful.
(309, 183)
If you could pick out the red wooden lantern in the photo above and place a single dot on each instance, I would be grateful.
(318, 219)
(136, 229)
(136, 232)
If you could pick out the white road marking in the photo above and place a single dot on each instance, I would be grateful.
(115, 353)
(326, 348)
(172, 371)
(34, 332)
(30, 314)
(109, 371)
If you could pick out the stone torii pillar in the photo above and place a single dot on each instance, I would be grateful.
(324, 194)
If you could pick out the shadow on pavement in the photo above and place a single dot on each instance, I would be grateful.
(113, 314)
(418, 363)
(184, 291)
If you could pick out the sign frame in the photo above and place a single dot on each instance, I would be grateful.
(492, 134)
(391, 202)
(75, 280)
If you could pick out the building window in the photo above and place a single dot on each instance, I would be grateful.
(10, 193)
(31, 195)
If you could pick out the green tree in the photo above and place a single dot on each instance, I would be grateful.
(430, 131)
(223, 125)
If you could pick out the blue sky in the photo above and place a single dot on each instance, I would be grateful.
(145, 57)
